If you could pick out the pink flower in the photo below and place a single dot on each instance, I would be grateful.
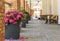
(13, 16)
(20, 13)
(7, 12)
(14, 22)
(6, 19)
(20, 24)
(22, 38)
(18, 17)
(11, 20)
(13, 12)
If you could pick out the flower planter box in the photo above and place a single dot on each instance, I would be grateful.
(13, 19)
(29, 18)
(24, 24)
(27, 21)
(12, 31)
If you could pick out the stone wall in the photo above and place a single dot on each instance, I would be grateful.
(22, 4)
(2, 24)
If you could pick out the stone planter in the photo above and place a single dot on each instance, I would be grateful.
(29, 18)
(24, 24)
(27, 21)
(12, 31)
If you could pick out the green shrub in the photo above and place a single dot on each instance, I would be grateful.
(27, 14)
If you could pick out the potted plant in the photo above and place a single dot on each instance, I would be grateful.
(27, 15)
(12, 20)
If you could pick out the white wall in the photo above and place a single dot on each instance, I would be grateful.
(58, 11)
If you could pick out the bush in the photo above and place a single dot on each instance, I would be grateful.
(27, 14)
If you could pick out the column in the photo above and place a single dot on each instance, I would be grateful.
(27, 7)
(26, 4)
(14, 4)
(2, 23)
(58, 11)
(46, 7)
(46, 10)
(54, 7)
(22, 4)
(18, 4)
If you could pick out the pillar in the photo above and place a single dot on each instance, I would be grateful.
(22, 4)
(46, 7)
(26, 5)
(54, 7)
(58, 11)
(18, 4)
(14, 4)
(2, 23)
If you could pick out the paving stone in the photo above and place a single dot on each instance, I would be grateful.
(37, 30)
(40, 31)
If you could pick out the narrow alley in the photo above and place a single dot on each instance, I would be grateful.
(29, 20)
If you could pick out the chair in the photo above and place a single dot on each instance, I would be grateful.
(54, 19)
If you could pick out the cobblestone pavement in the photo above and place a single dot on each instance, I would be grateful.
(38, 31)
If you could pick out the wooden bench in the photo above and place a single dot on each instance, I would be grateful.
(54, 19)
(50, 18)
(43, 17)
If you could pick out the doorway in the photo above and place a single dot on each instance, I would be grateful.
(37, 9)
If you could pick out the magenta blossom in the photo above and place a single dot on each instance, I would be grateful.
(6, 20)
(14, 22)
(11, 20)
(13, 16)
(18, 17)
